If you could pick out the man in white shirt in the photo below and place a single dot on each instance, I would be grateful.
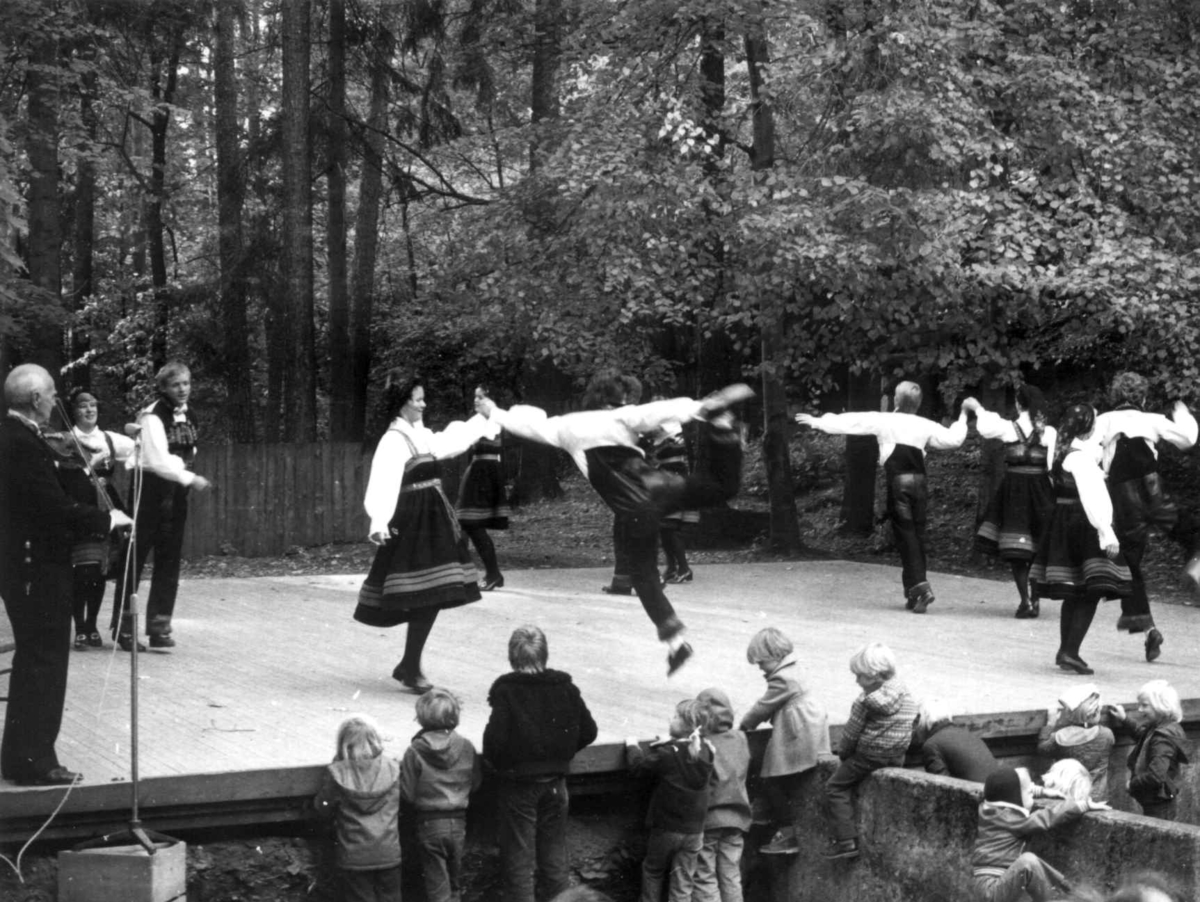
(1129, 435)
(903, 437)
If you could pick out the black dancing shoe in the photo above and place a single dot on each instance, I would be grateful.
(683, 577)
(81, 643)
(492, 582)
(1154, 641)
(1072, 662)
(722, 399)
(924, 600)
(58, 776)
(160, 641)
(616, 590)
(414, 682)
(125, 643)
(1026, 611)
(94, 640)
(678, 658)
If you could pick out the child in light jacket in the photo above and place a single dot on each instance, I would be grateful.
(718, 867)
(799, 733)
(360, 793)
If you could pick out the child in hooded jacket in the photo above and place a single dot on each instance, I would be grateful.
(1160, 748)
(799, 733)
(683, 765)
(437, 775)
(1002, 869)
(361, 794)
(718, 866)
(1075, 731)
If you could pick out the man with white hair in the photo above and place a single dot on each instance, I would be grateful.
(38, 523)
(903, 437)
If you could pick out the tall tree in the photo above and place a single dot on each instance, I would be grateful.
(43, 201)
(340, 373)
(300, 385)
(366, 232)
(239, 407)
(83, 259)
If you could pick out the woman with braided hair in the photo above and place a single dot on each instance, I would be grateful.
(1018, 512)
(1079, 559)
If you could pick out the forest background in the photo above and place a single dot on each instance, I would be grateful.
(819, 196)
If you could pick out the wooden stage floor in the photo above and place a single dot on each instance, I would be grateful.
(267, 668)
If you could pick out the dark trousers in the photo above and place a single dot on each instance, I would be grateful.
(381, 885)
(713, 483)
(88, 595)
(531, 831)
(1139, 506)
(622, 570)
(674, 552)
(441, 842)
(37, 686)
(161, 518)
(908, 500)
(839, 793)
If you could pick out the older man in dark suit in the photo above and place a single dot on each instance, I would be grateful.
(38, 522)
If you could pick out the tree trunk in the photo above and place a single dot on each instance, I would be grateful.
(300, 385)
(164, 82)
(44, 204)
(547, 54)
(85, 227)
(366, 237)
(340, 370)
(239, 400)
(785, 524)
(862, 457)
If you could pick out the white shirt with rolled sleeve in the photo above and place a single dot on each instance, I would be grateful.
(1082, 462)
(894, 428)
(1180, 429)
(576, 433)
(155, 456)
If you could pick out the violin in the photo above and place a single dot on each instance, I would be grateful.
(71, 454)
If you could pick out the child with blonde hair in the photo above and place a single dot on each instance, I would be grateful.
(1074, 730)
(1160, 748)
(1070, 779)
(437, 774)
(683, 765)
(360, 793)
(878, 734)
(799, 733)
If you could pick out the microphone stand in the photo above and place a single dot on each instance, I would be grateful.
(135, 832)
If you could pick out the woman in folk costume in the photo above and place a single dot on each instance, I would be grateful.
(1079, 559)
(481, 501)
(90, 558)
(1021, 506)
(423, 564)
(1129, 436)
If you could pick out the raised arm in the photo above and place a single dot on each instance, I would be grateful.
(1093, 494)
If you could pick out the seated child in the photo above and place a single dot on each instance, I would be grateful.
(437, 774)
(1003, 870)
(683, 765)
(1075, 731)
(1160, 748)
(360, 792)
(718, 866)
(878, 734)
(1069, 779)
(949, 750)
(799, 733)
(538, 722)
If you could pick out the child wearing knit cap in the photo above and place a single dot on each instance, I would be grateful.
(1003, 871)
(1074, 730)
(718, 866)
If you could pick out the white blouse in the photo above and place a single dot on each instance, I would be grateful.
(1180, 429)
(1082, 463)
(992, 425)
(392, 455)
(94, 443)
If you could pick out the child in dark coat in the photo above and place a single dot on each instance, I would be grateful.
(718, 867)
(1160, 748)
(538, 722)
(361, 795)
(1003, 871)
(683, 765)
(437, 774)
(1074, 731)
